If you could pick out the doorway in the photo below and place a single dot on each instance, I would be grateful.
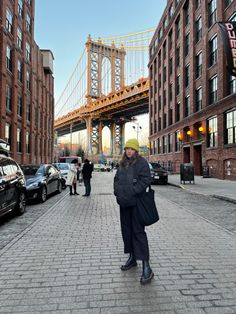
(197, 155)
(186, 151)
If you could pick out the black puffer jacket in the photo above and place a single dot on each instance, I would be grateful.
(131, 181)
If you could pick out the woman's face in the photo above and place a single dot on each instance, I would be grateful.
(130, 152)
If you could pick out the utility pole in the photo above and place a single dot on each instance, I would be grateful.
(137, 128)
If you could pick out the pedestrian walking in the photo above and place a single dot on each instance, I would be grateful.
(87, 175)
(72, 179)
(131, 180)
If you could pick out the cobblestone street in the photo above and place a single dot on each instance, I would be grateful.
(68, 261)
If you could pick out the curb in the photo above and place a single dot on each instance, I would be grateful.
(223, 198)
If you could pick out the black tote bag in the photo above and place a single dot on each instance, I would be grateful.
(146, 208)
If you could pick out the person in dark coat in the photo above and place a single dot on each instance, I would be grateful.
(87, 175)
(131, 179)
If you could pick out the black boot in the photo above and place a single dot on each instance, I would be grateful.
(131, 262)
(147, 274)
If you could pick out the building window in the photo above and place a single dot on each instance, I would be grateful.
(28, 80)
(165, 22)
(164, 50)
(177, 112)
(9, 19)
(177, 141)
(19, 106)
(159, 59)
(164, 98)
(19, 38)
(164, 144)
(170, 94)
(171, 66)
(20, 8)
(159, 102)
(170, 143)
(178, 85)
(170, 39)
(8, 98)
(197, 2)
(170, 116)
(28, 112)
(212, 51)
(213, 90)
(187, 42)
(19, 71)
(18, 140)
(187, 106)
(27, 142)
(199, 29)
(159, 80)
(212, 12)
(212, 132)
(160, 33)
(186, 13)
(158, 146)
(171, 11)
(177, 56)
(230, 119)
(199, 65)
(231, 84)
(28, 23)
(228, 2)
(233, 18)
(199, 99)
(8, 58)
(177, 27)
(27, 51)
(164, 74)
(8, 133)
(187, 75)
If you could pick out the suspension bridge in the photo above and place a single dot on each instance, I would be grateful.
(108, 87)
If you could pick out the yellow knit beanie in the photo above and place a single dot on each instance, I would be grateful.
(132, 143)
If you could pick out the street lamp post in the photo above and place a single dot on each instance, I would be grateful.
(137, 128)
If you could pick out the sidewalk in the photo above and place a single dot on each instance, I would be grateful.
(222, 189)
(68, 262)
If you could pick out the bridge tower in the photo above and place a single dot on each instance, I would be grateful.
(96, 52)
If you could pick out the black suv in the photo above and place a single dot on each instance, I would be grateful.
(12, 186)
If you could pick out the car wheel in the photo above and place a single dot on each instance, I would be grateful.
(43, 194)
(59, 188)
(21, 204)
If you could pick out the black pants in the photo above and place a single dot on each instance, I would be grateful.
(133, 233)
(74, 186)
(87, 185)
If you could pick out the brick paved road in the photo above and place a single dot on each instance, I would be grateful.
(68, 262)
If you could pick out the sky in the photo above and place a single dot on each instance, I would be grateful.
(63, 27)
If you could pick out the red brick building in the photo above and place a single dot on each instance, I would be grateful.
(192, 97)
(26, 85)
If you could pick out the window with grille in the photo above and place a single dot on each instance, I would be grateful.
(19, 38)
(8, 98)
(19, 105)
(212, 133)
(8, 58)
(20, 8)
(18, 140)
(212, 12)
(212, 51)
(9, 19)
(8, 133)
(213, 90)
(199, 29)
(19, 71)
(27, 51)
(187, 106)
(230, 124)
(28, 23)
(199, 65)
(199, 99)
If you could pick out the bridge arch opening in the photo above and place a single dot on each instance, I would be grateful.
(106, 76)
(106, 141)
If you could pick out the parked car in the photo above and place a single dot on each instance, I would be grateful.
(4, 148)
(159, 174)
(12, 187)
(63, 168)
(99, 167)
(41, 180)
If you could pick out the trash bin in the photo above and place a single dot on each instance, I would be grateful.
(205, 172)
(186, 173)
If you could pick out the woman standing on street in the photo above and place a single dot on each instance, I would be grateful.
(71, 178)
(132, 178)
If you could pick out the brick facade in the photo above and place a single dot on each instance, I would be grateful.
(181, 131)
(29, 117)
